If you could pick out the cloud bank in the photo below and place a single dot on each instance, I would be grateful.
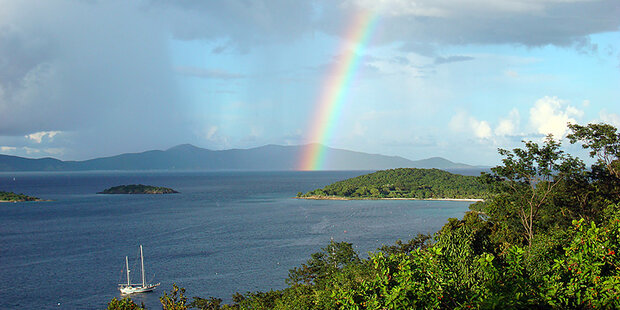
(94, 78)
(547, 115)
(98, 71)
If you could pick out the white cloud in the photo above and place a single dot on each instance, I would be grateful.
(55, 151)
(210, 133)
(38, 136)
(462, 122)
(458, 122)
(481, 128)
(610, 118)
(215, 137)
(550, 115)
(7, 148)
(26, 151)
(510, 125)
(30, 150)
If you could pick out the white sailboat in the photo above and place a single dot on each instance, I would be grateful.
(136, 288)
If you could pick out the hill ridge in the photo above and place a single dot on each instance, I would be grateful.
(270, 157)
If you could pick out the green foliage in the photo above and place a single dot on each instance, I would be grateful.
(463, 243)
(588, 274)
(138, 189)
(603, 140)
(124, 304)
(400, 282)
(257, 300)
(321, 265)
(175, 301)
(526, 182)
(405, 183)
(9, 196)
(442, 275)
(210, 303)
(546, 236)
(421, 241)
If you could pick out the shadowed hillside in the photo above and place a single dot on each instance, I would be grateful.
(189, 157)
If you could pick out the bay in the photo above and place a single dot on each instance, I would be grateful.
(225, 232)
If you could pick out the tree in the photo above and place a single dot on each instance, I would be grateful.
(603, 142)
(256, 300)
(332, 258)
(527, 179)
(421, 241)
(176, 300)
(210, 303)
(124, 304)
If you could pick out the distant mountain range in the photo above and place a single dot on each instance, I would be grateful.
(189, 157)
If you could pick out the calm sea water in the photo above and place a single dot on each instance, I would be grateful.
(225, 232)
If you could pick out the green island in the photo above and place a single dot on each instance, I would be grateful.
(138, 189)
(403, 183)
(547, 236)
(13, 197)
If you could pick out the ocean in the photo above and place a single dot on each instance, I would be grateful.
(225, 232)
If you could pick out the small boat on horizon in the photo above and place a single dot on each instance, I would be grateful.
(128, 288)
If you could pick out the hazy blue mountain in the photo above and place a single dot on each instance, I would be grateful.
(189, 157)
(15, 163)
(439, 162)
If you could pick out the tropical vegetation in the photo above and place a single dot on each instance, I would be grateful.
(138, 189)
(547, 236)
(11, 197)
(404, 183)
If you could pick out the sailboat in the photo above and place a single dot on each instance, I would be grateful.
(130, 288)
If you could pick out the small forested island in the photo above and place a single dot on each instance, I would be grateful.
(547, 236)
(13, 197)
(405, 183)
(138, 189)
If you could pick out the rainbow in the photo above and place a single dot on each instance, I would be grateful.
(332, 98)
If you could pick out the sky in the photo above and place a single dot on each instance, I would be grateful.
(451, 78)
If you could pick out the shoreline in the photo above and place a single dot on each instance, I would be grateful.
(351, 198)
(10, 201)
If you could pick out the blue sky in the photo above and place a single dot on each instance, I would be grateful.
(457, 79)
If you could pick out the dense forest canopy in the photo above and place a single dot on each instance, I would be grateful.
(138, 189)
(547, 236)
(11, 197)
(405, 183)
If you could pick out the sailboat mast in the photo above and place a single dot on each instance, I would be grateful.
(127, 265)
(142, 262)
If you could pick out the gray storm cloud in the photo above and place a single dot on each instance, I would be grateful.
(243, 23)
(100, 73)
(415, 23)
(425, 24)
(97, 71)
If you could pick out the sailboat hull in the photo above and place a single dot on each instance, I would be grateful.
(126, 290)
